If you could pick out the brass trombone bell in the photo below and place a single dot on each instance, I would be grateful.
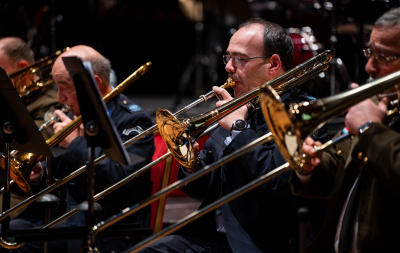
(293, 124)
(229, 83)
(22, 163)
(180, 134)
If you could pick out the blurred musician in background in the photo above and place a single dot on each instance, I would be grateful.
(129, 120)
(361, 177)
(14, 55)
(264, 219)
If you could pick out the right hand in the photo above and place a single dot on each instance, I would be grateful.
(65, 120)
(309, 150)
(196, 148)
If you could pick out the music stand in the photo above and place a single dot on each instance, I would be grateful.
(99, 128)
(18, 128)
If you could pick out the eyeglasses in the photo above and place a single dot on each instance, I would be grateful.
(381, 59)
(238, 61)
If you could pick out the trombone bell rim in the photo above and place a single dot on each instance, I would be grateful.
(177, 139)
(286, 138)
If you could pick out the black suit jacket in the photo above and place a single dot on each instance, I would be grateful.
(262, 220)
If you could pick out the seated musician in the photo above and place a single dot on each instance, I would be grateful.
(264, 219)
(129, 120)
(14, 55)
(360, 176)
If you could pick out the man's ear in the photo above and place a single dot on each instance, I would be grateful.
(99, 82)
(276, 64)
(104, 89)
(21, 64)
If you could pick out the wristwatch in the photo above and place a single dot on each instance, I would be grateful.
(239, 125)
(364, 127)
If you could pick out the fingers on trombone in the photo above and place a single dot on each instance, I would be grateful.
(223, 93)
(311, 164)
(61, 115)
(309, 147)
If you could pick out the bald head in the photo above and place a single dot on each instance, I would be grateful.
(66, 90)
(101, 65)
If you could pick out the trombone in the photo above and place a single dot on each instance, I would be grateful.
(14, 245)
(22, 163)
(39, 74)
(292, 126)
(180, 134)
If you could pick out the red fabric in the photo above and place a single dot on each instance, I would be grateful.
(157, 173)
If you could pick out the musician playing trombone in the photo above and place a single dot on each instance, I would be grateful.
(129, 120)
(263, 220)
(361, 177)
(14, 55)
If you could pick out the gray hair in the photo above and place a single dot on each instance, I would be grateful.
(388, 19)
(102, 68)
(17, 49)
(276, 40)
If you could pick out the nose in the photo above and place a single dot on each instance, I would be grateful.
(229, 66)
(372, 67)
(61, 96)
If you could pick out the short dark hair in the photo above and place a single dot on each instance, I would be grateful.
(276, 40)
(17, 49)
(388, 19)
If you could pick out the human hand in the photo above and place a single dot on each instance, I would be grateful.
(196, 147)
(354, 85)
(36, 173)
(65, 120)
(240, 113)
(364, 112)
(314, 157)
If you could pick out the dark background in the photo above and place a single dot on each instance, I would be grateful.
(131, 33)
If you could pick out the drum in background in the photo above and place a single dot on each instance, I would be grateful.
(305, 44)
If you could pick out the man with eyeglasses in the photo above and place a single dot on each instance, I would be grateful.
(264, 219)
(129, 120)
(361, 177)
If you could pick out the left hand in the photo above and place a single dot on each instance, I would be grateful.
(65, 120)
(240, 113)
(363, 112)
(36, 173)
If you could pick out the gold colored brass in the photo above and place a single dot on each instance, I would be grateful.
(180, 134)
(38, 73)
(23, 163)
(293, 124)
(177, 141)
(29, 160)
(162, 200)
(81, 170)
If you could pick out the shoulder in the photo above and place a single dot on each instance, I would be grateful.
(43, 101)
(129, 115)
(129, 107)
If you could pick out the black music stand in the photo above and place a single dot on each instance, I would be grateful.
(99, 128)
(18, 129)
